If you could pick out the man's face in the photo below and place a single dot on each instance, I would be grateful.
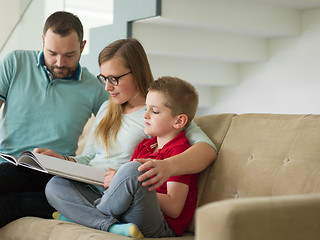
(61, 54)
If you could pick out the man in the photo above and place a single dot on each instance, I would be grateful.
(47, 98)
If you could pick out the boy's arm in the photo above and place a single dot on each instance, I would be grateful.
(194, 160)
(172, 203)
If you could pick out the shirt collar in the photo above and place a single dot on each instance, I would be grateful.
(76, 76)
(150, 145)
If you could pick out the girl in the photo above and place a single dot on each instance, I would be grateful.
(118, 128)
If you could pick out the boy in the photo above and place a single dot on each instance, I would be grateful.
(171, 105)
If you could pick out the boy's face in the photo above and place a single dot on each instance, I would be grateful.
(158, 118)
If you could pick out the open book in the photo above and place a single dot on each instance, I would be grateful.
(57, 166)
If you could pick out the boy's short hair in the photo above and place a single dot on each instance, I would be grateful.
(63, 23)
(181, 96)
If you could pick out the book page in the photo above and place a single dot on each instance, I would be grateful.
(27, 159)
(71, 170)
(9, 158)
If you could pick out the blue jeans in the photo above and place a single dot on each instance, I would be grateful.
(125, 201)
(22, 193)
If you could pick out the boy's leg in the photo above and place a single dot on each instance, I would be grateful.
(74, 200)
(130, 202)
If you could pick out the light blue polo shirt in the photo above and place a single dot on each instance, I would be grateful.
(40, 112)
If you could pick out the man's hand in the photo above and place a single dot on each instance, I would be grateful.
(108, 176)
(48, 152)
(159, 169)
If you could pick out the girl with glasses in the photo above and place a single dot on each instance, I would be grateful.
(118, 129)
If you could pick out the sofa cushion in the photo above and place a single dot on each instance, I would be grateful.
(33, 228)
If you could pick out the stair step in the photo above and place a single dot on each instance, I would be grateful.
(294, 4)
(199, 72)
(191, 41)
(206, 98)
(257, 18)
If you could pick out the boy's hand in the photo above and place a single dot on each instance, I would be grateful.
(108, 176)
(159, 169)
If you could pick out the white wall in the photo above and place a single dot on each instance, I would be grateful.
(289, 82)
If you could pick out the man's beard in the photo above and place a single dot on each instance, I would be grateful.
(63, 74)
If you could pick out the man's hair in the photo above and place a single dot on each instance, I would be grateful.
(63, 23)
(181, 96)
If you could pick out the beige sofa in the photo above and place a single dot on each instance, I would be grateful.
(264, 184)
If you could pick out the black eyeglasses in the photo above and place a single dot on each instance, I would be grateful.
(111, 79)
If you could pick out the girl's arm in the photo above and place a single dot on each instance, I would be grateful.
(194, 160)
(172, 203)
(51, 153)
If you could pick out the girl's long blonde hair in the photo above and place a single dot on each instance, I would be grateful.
(133, 56)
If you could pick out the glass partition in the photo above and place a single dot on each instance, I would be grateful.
(11, 12)
(21, 21)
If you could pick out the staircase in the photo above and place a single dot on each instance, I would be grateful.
(206, 41)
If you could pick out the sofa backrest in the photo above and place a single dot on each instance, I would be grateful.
(84, 136)
(216, 127)
(262, 155)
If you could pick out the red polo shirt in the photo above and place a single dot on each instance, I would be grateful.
(177, 145)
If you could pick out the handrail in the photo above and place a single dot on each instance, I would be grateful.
(15, 26)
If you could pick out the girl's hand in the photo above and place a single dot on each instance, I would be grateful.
(48, 152)
(108, 176)
(159, 169)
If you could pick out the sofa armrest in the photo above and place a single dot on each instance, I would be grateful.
(283, 217)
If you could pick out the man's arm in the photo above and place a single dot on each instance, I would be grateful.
(1, 103)
(194, 160)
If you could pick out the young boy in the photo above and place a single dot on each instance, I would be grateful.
(171, 104)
